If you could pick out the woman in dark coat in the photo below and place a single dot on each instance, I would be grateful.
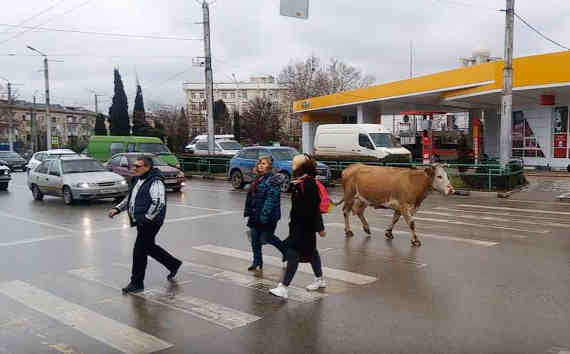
(263, 210)
(305, 222)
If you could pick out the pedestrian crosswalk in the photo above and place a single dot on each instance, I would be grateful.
(184, 298)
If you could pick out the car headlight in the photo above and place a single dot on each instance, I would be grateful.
(82, 185)
(123, 182)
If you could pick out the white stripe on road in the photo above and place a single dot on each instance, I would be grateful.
(348, 277)
(494, 218)
(498, 213)
(514, 209)
(242, 280)
(33, 240)
(487, 226)
(187, 218)
(194, 207)
(115, 334)
(36, 222)
(437, 237)
(220, 315)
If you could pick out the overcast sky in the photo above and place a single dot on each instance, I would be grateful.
(250, 38)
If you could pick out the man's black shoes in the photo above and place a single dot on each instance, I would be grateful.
(133, 288)
(170, 277)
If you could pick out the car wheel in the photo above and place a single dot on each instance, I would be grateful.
(286, 186)
(38, 195)
(237, 180)
(3, 186)
(67, 195)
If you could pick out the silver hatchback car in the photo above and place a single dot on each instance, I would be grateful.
(75, 178)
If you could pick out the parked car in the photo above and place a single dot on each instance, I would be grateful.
(102, 148)
(190, 147)
(75, 178)
(41, 156)
(4, 175)
(222, 147)
(355, 141)
(122, 164)
(14, 160)
(242, 164)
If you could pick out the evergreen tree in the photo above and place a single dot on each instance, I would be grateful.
(182, 130)
(140, 125)
(237, 128)
(100, 128)
(118, 112)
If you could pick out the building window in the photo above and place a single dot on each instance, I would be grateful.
(560, 133)
(194, 96)
(54, 120)
(224, 95)
(194, 106)
(524, 140)
(201, 94)
(244, 94)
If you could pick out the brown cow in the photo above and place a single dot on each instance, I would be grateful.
(400, 189)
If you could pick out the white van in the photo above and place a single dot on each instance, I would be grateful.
(190, 147)
(358, 141)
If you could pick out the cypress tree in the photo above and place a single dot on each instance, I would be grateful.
(119, 112)
(237, 129)
(140, 125)
(100, 128)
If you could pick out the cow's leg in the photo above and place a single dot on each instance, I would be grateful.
(359, 207)
(347, 209)
(395, 219)
(411, 223)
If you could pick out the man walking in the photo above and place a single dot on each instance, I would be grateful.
(146, 205)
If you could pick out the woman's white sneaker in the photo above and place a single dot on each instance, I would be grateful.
(318, 283)
(280, 290)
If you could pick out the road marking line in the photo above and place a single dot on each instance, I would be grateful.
(242, 280)
(457, 222)
(346, 276)
(493, 218)
(514, 209)
(36, 222)
(187, 218)
(220, 315)
(115, 334)
(195, 207)
(33, 240)
(498, 213)
(437, 237)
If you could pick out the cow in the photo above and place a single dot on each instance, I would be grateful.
(400, 189)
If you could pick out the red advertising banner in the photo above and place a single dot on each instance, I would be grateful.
(560, 145)
(426, 153)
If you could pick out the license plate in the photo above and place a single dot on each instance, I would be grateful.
(170, 180)
(108, 191)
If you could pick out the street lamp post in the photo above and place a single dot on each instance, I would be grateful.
(10, 138)
(46, 78)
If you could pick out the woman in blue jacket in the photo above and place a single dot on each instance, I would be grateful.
(263, 208)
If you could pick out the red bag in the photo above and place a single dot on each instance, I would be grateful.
(325, 204)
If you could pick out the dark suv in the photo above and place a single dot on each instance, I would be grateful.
(14, 160)
(123, 164)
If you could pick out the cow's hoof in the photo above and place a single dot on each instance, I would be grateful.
(349, 234)
(389, 235)
(366, 229)
(416, 243)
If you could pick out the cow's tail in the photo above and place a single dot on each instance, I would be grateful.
(336, 203)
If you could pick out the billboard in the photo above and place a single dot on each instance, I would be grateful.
(295, 8)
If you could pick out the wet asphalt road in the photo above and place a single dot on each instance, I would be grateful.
(492, 276)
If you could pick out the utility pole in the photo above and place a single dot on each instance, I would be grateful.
(209, 79)
(33, 124)
(10, 125)
(46, 79)
(507, 100)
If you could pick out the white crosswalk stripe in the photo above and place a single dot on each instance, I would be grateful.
(115, 334)
(211, 312)
(338, 274)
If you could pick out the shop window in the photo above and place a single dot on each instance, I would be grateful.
(523, 138)
(560, 133)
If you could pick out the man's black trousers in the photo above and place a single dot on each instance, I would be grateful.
(145, 246)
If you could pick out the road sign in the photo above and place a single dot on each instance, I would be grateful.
(295, 8)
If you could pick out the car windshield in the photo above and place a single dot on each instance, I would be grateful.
(385, 140)
(284, 154)
(60, 155)
(155, 160)
(230, 145)
(8, 154)
(81, 166)
(154, 148)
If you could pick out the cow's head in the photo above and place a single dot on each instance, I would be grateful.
(440, 180)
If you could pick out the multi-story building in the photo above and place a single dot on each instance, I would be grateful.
(71, 125)
(236, 96)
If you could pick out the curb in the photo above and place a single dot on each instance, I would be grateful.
(220, 178)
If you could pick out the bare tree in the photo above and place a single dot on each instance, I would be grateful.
(309, 78)
(260, 122)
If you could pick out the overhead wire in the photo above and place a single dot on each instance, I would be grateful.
(36, 15)
(110, 34)
(540, 33)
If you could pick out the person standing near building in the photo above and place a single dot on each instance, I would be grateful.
(306, 220)
(263, 210)
(146, 205)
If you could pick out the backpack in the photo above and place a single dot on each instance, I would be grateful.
(325, 204)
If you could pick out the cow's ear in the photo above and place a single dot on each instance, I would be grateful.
(430, 171)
